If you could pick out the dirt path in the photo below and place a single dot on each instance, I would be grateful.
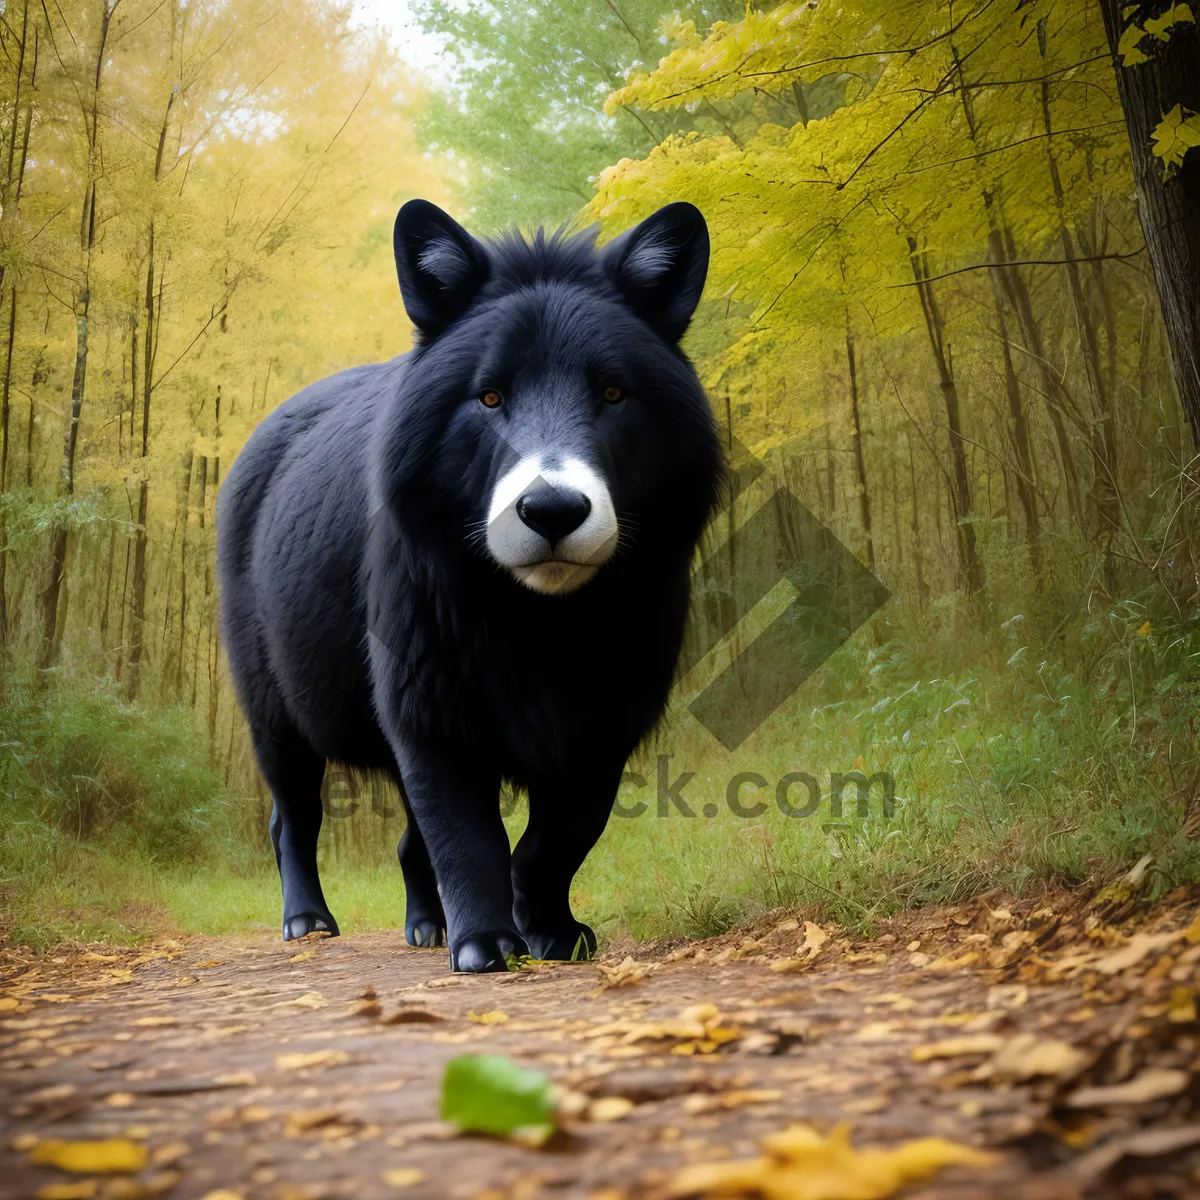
(249, 1069)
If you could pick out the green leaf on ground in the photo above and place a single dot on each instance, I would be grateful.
(486, 1093)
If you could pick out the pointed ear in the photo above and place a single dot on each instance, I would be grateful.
(659, 267)
(441, 267)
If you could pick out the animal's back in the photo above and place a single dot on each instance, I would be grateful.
(291, 521)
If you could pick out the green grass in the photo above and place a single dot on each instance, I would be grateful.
(1022, 759)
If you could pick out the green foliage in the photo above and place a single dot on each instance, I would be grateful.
(524, 115)
(485, 1093)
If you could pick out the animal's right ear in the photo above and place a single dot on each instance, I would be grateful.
(441, 267)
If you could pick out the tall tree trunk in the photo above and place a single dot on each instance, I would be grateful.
(922, 586)
(864, 497)
(960, 494)
(137, 626)
(57, 555)
(1169, 207)
(5, 413)
(186, 496)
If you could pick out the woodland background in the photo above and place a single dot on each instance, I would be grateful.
(931, 313)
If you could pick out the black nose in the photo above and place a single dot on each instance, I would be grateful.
(553, 512)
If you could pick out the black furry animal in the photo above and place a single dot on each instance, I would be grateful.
(471, 564)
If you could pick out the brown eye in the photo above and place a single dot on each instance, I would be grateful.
(613, 395)
(490, 399)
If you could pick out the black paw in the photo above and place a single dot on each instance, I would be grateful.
(486, 951)
(422, 931)
(305, 923)
(569, 945)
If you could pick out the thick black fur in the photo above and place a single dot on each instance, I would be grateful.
(366, 623)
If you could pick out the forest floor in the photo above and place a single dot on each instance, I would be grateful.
(1057, 1035)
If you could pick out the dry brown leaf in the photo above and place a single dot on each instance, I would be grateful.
(956, 1047)
(1154, 1083)
(1026, 1056)
(316, 1058)
(801, 1164)
(312, 1000)
(403, 1177)
(1136, 949)
(628, 971)
(724, 1101)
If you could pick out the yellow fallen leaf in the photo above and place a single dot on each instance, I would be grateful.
(317, 1058)
(156, 1022)
(801, 1164)
(303, 956)
(313, 1000)
(493, 1016)
(9, 1003)
(972, 1043)
(1007, 996)
(109, 1156)
(403, 1177)
(609, 1108)
(1182, 1009)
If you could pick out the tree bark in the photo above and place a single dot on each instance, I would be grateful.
(960, 495)
(864, 497)
(1169, 207)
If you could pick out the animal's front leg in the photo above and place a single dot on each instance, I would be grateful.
(457, 811)
(567, 815)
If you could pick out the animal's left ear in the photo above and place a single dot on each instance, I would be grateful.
(441, 267)
(659, 266)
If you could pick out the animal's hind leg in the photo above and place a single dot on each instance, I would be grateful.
(294, 771)
(424, 920)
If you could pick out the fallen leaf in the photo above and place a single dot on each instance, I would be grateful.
(485, 1093)
(724, 1101)
(402, 1177)
(801, 1164)
(109, 1156)
(1027, 1056)
(9, 1003)
(313, 1000)
(1132, 953)
(610, 1108)
(316, 1058)
(627, 971)
(1154, 1083)
(1182, 1008)
(493, 1016)
(956, 1047)
(156, 1022)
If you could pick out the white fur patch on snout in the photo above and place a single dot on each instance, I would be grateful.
(572, 561)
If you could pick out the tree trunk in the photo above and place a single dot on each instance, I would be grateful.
(137, 627)
(864, 497)
(58, 537)
(1169, 207)
(960, 494)
(5, 414)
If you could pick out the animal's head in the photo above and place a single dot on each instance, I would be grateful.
(548, 409)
